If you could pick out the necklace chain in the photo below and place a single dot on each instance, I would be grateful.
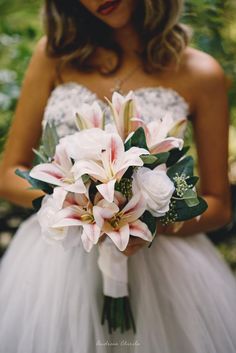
(121, 81)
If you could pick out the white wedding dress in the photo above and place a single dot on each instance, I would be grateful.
(182, 293)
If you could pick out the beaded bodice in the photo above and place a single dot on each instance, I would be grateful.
(66, 99)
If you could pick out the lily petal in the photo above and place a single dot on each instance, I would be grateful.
(104, 211)
(92, 231)
(120, 237)
(107, 190)
(89, 116)
(134, 208)
(178, 128)
(77, 187)
(59, 195)
(47, 172)
(62, 159)
(167, 144)
(85, 144)
(69, 216)
(87, 243)
(141, 230)
(89, 167)
(131, 158)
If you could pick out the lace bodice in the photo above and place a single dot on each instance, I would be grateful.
(66, 99)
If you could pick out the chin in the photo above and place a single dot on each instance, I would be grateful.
(121, 16)
(118, 23)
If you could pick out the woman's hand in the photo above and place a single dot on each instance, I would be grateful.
(170, 229)
(134, 244)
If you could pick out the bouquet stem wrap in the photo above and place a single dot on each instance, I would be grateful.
(114, 267)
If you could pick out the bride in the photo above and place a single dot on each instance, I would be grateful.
(183, 294)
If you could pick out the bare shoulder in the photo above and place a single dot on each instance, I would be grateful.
(203, 78)
(40, 51)
(203, 71)
(41, 64)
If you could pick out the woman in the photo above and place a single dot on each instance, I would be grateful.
(183, 294)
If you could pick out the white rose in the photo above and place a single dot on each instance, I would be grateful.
(156, 187)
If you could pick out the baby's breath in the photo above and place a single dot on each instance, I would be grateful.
(125, 187)
(181, 184)
(171, 215)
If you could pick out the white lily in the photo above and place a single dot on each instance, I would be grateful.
(120, 222)
(59, 172)
(79, 212)
(124, 110)
(113, 163)
(90, 116)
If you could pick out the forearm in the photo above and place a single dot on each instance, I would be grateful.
(17, 190)
(217, 215)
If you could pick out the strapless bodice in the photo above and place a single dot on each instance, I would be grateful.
(66, 99)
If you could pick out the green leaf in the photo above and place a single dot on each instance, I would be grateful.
(185, 166)
(192, 180)
(149, 158)
(184, 212)
(150, 221)
(85, 178)
(190, 197)
(36, 184)
(138, 139)
(50, 139)
(37, 203)
(161, 158)
(175, 154)
(41, 156)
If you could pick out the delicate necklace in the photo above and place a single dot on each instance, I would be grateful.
(121, 81)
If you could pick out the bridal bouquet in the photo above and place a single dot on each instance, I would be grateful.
(113, 181)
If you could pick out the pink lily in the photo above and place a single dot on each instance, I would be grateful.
(113, 163)
(59, 172)
(120, 223)
(124, 109)
(163, 135)
(48, 216)
(90, 116)
(78, 211)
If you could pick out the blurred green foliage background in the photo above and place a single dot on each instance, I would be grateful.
(214, 31)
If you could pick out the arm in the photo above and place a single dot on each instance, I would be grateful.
(25, 131)
(210, 124)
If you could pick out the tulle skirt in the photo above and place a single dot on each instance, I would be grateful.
(183, 298)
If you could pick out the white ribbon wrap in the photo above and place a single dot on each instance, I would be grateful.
(114, 267)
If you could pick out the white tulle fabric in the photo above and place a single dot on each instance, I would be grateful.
(183, 295)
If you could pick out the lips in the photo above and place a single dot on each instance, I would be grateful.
(108, 7)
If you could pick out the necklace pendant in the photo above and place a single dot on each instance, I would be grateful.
(117, 87)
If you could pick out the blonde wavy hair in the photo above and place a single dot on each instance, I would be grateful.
(74, 34)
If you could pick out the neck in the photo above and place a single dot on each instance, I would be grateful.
(129, 40)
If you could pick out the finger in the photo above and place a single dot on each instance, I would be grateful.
(102, 238)
(137, 241)
(131, 251)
